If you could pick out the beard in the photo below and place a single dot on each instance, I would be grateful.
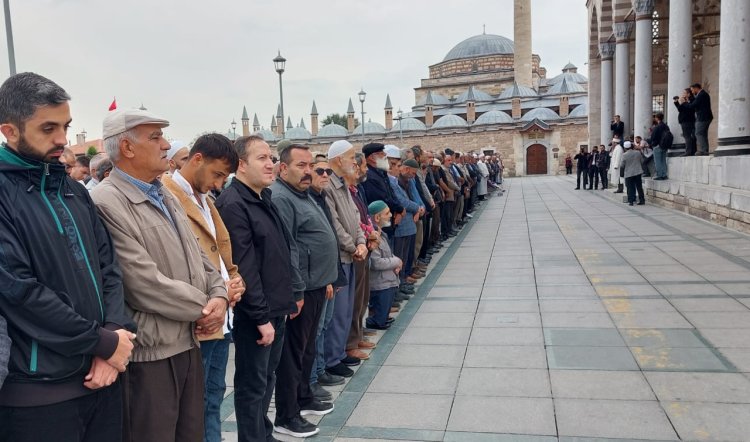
(382, 164)
(26, 150)
(362, 179)
(385, 224)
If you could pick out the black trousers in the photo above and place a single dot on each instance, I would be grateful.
(446, 213)
(91, 418)
(688, 132)
(603, 176)
(297, 357)
(593, 177)
(426, 230)
(254, 378)
(585, 174)
(633, 184)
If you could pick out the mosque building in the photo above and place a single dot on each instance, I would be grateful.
(489, 94)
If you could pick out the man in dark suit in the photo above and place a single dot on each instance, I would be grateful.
(618, 128)
(582, 168)
(701, 104)
(686, 118)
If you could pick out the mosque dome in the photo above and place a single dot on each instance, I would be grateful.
(580, 111)
(409, 125)
(570, 77)
(481, 45)
(541, 113)
(449, 121)
(297, 133)
(371, 127)
(266, 134)
(493, 117)
(333, 130)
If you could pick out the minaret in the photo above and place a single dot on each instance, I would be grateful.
(256, 123)
(564, 99)
(302, 123)
(279, 122)
(314, 120)
(289, 124)
(388, 113)
(245, 122)
(275, 126)
(471, 110)
(350, 117)
(428, 116)
(522, 42)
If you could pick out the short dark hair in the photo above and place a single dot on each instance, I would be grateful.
(696, 85)
(659, 116)
(286, 154)
(216, 147)
(22, 94)
(83, 161)
(417, 150)
(241, 143)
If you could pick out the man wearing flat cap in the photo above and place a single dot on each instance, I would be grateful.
(377, 186)
(171, 288)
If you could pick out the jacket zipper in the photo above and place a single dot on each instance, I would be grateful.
(46, 200)
(34, 351)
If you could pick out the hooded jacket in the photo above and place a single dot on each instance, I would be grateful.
(60, 283)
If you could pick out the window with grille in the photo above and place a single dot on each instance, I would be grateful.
(655, 28)
(657, 103)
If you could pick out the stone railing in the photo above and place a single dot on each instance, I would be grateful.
(716, 189)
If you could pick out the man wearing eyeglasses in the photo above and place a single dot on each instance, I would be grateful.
(318, 255)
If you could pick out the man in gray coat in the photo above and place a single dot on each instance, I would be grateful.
(632, 164)
(318, 265)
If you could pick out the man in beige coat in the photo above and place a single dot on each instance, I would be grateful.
(171, 288)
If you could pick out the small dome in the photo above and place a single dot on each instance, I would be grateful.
(409, 125)
(449, 121)
(565, 87)
(481, 45)
(542, 113)
(517, 91)
(478, 96)
(570, 77)
(493, 117)
(580, 111)
(370, 128)
(297, 133)
(569, 67)
(333, 130)
(437, 99)
(266, 134)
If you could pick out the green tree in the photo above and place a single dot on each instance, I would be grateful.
(91, 151)
(339, 119)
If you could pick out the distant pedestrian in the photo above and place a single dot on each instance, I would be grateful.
(582, 167)
(686, 118)
(701, 104)
(568, 165)
(617, 127)
(632, 166)
(661, 141)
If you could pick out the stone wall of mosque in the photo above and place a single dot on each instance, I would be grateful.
(507, 140)
(477, 65)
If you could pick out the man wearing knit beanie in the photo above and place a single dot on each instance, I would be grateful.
(384, 270)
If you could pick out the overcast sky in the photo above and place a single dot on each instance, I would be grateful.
(197, 63)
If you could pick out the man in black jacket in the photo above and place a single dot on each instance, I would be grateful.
(701, 104)
(267, 259)
(60, 284)
(582, 168)
(686, 118)
(659, 142)
(377, 186)
(617, 127)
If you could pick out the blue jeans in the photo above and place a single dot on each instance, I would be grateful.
(215, 354)
(326, 313)
(380, 306)
(254, 378)
(660, 162)
(337, 332)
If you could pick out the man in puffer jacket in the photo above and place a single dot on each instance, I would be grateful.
(384, 270)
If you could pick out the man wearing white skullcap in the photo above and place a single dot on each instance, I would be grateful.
(177, 155)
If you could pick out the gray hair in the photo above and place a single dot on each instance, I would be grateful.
(96, 160)
(359, 157)
(104, 166)
(112, 144)
(22, 94)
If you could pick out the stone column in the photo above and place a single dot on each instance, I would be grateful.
(734, 59)
(607, 50)
(522, 42)
(680, 69)
(594, 118)
(622, 73)
(644, 10)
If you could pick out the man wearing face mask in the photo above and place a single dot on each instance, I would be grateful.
(377, 186)
(316, 246)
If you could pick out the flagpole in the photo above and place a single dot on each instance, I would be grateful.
(9, 36)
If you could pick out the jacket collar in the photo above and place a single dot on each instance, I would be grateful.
(188, 203)
(249, 195)
(336, 182)
(292, 190)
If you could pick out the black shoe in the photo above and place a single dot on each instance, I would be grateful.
(377, 327)
(577, 188)
(320, 393)
(390, 320)
(407, 290)
(316, 408)
(329, 379)
(640, 203)
(351, 361)
(296, 427)
(340, 370)
(630, 204)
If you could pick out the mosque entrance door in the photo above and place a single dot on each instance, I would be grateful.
(536, 160)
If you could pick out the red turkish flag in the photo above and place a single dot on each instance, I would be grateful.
(113, 106)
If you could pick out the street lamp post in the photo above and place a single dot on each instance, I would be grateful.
(362, 94)
(279, 63)
(9, 36)
(234, 129)
(400, 114)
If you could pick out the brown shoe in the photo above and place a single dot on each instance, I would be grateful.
(366, 345)
(410, 280)
(358, 354)
(395, 309)
(370, 333)
(416, 276)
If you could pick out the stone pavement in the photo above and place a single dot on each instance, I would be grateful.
(563, 315)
